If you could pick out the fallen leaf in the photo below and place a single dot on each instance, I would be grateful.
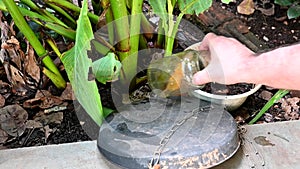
(30, 64)
(4, 87)
(2, 101)
(48, 131)
(46, 119)
(68, 93)
(262, 140)
(12, 119)
(32, 124)
(267, 8)
(266, 95)
(3, 136)
(295, 93)
(12, 46)
(43, 99)
(246, 7)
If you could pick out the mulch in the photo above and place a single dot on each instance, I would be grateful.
(34, 113)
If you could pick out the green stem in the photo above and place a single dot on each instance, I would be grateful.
(135, 31)
(33, 40)
(54, 47)
(68, 5)
(174, 28)
(161, 35)
(66, 32)
(119, 11)
(122, 26)
(135, 27)
(61, 11)
(171, 38)
(109, 20)
(43, 12)
(278, 95)
(100, 48)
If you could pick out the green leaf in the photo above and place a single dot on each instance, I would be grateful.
(293, 12)
(77, 66)
(278, 95)
(194, 6)
(160, 8)
(107, 68)
(226, 1)
(284, 2)
(107, 111)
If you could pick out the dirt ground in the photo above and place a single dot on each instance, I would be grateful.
(38, 127)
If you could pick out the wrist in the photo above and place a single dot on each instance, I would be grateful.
(250, 69)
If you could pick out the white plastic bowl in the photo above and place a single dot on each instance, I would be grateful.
(230, 102)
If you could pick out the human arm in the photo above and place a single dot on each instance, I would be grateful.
(231, 62)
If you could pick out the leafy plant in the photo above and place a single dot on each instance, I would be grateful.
(164, 9)
(127, 19)
(278, 95)
(51, 70)
(294, 7)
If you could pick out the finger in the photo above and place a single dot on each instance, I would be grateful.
(201, 77)
(206, 41)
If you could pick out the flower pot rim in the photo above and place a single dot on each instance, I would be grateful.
(228, 97)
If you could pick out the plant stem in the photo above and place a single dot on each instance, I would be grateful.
(122, 30)
(135, 26)
(54, 47)
(161, 35)
(109, 20)
(61, 11)
(66, 32)
(174, 28)
(66, 4)
(43, 12)
(278, 95)
(38, 47)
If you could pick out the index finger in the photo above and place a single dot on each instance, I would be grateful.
(206, 41)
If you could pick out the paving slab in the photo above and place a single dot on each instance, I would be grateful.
(267, 146)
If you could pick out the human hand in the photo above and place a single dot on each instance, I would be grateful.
(228, 59)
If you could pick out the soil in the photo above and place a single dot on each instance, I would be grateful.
(275, 31)
(220, 89)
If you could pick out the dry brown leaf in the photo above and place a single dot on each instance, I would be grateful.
(2, 101)
(43, 99)
(4, 87)
(295, 93)
(32, 124)
(266, 95)
(46, 119)
(246, 7)
(30, 64)
(48, 131)
(12, 119)
(3, 136)
(12, 46)
(68, 94)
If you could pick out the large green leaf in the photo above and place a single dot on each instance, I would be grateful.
(77, 65)
(293, 12)
(160, 8)
(107, 68)
(284, 2)
(194, 6)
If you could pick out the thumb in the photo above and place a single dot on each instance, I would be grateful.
(201, 77)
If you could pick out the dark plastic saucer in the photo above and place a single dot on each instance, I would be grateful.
(130, 137)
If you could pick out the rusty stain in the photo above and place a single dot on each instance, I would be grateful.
(262, 140)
